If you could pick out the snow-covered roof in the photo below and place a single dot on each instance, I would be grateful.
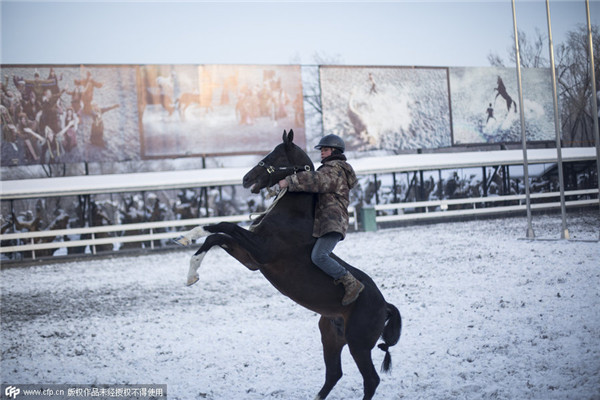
(134, 182)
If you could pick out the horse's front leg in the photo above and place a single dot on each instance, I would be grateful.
(203, 230)
(195, 262)
(187, 238)
(230, 245)
(249, 241)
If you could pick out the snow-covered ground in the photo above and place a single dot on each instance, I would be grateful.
(486, 315)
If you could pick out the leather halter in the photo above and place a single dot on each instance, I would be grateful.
(271, 170)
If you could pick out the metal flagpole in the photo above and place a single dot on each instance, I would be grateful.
(564, 233)
(594, 100)
(530, 234)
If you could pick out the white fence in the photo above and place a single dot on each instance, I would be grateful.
(152, 231)
(442, 210)
(413, 211)
(27, 240)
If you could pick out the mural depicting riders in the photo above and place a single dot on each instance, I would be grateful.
(64, 114)
(217, 109)
(485, 106)
(68, 114)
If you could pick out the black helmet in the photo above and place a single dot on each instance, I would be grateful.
(333, 141)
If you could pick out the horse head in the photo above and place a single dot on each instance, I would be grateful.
(285, 159)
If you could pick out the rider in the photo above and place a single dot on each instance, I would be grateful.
(332, 181)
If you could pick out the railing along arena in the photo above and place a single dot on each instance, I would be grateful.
(35, 188)
(28, 238)
(441, 211)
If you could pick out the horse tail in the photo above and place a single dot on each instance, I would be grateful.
(390, 335)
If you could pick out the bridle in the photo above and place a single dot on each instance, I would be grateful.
(295, 168)
(272, 170)
(273, 193)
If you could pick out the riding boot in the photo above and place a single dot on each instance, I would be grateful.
(352, 287)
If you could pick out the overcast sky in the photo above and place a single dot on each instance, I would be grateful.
(420, 33)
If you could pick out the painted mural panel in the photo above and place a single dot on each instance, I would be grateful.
(64, 114)
(485, 105)
(387, 108)
(68, 114)
(217, 109)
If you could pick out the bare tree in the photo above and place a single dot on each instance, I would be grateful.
(313, 109)
(530, 52)
(312, 89)
(575, 88)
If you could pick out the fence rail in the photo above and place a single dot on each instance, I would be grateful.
(487, 206)
(27, 242)
(66, 186)
(445, 212)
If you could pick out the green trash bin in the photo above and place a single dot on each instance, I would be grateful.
(367, 219)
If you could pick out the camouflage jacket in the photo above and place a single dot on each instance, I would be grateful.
(332, 181)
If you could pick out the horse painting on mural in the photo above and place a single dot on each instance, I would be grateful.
(501, 89)
(278, 244)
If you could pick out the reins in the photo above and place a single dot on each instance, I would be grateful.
(255, 216)
(271, 170)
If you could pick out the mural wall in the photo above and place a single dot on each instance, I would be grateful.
(107, 113)
(65, 114)
(59, 114)
(485, 105)
(399, 108)
(217, 109)
(387, 108)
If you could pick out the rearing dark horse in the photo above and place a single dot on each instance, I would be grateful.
(279, 245)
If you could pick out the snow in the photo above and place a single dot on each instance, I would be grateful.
(486, 314)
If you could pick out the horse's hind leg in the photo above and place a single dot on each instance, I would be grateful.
(362, 332)
(332, 337)
(364, 362)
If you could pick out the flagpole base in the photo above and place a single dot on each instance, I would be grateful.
(530, 234)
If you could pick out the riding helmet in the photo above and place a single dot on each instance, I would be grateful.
(333, 141)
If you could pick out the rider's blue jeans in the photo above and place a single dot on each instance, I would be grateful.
(320, 255)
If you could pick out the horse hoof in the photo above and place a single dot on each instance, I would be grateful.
(192, 279)
(181, 241)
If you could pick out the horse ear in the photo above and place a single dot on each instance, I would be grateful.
(288, 138)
